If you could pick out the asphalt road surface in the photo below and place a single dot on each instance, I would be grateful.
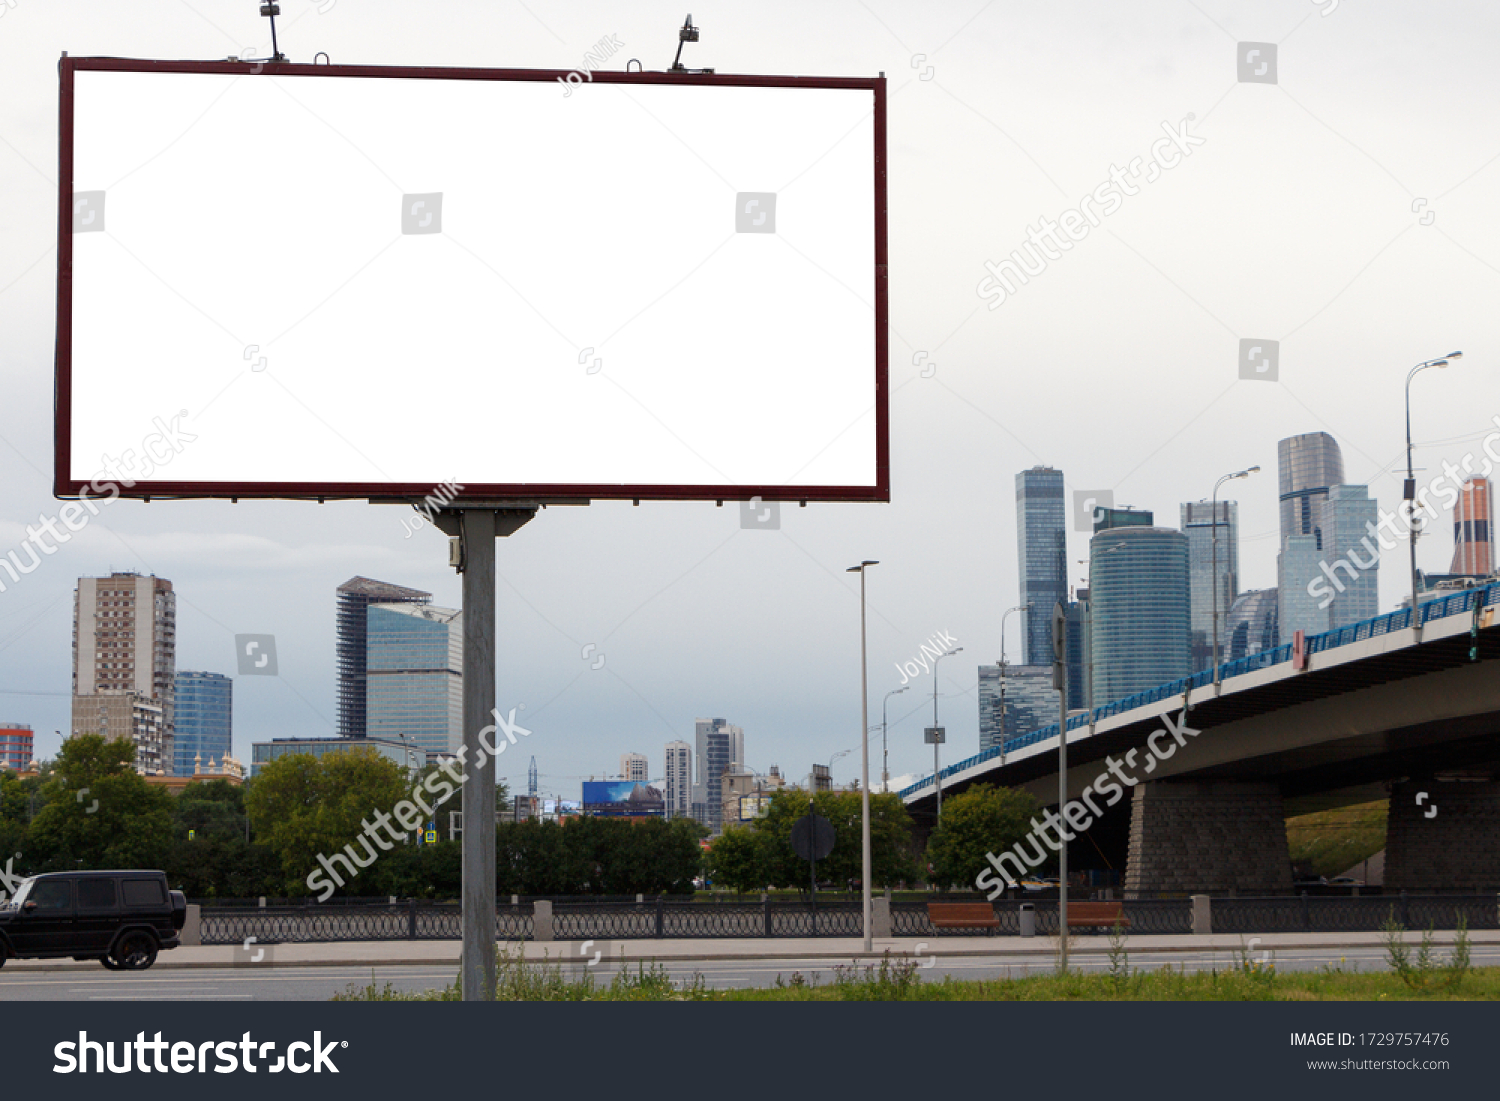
(321, 983)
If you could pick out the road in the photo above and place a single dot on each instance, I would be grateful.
(320, 983)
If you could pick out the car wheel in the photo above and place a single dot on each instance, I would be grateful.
(109, 964)
(136, 952)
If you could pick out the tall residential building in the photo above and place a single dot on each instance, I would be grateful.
(1138, 586)
(1351, 555)
(125, 646)
(17, 746)
(1042, 553)
(1473, 537)
(414, 676)
(634, 767)
(1125, 517)
(1251, 625)
(1200, 526)
(719, 745)
(205, 704)
(354, 596)
(679, 776)
(1030, 702)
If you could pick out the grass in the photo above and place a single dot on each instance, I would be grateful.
(899, 979)
(1330, 842)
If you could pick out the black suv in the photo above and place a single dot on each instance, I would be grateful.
(121, 919)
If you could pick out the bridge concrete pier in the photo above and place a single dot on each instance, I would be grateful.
(1447, 841)
(1214, 836)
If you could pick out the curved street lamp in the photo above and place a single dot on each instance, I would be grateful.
(885, 761)
(937, 783)
(1008, 611)
(1410, 496)
(1214, 576)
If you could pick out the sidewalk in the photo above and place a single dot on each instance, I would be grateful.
(391, 953)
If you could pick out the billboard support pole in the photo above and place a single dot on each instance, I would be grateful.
(477, 527)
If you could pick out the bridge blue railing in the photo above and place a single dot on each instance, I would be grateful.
(1458, 603)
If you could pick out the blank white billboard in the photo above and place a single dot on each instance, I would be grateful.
(338, 281)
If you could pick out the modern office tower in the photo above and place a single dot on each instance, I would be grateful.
(1078, 654)
(1042, 553)
(1306, 466)
(1030, 702)
(635, 767)
(1300, 585)
(719, 745)
(1138, 586)
(354, 596)
(1251, 625)
(679, 776)
(414, 676)
(205, 704)
(125, 645)
(1473, 537)
(1351, 555)
(1106, 518)
(1198, 524)
(17, 746)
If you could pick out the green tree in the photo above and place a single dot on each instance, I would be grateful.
(984, 819)
(891, 860)
(99, 812)
(301, 806)
(742, 859)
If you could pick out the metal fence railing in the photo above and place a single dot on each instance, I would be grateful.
(677, 918)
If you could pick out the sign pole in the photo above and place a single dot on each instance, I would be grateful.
(477, 528)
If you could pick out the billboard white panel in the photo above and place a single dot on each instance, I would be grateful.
(335, 281)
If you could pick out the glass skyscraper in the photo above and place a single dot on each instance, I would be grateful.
(205, 726)
(1473, 537)
(1306, 466)
(1042, 552)
(354, 596)
(1106, 518)
(414, 675)
(1030, 702)
(720, 744)
(1251, 625)
(1198, 526)
(1352, 555)
(1138, 585)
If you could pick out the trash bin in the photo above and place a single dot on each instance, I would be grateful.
(1028, 920)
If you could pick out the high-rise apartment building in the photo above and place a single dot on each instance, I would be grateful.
(1473, 536)
(1201, 527)
(17, 746)
(679, 776)
(414, 676)
(125, 663)
(635, 768)
(1138, 586)
(720, 745)
(354, 597)
(1030, 702)
(1042, 552)
(205, 723)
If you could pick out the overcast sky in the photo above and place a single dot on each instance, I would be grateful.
(1345, 211)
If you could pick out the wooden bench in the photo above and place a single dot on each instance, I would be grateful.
(962, 915)
(1097, 913)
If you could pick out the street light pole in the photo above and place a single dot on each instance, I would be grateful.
(937, 783)
(885, 771)
(1410, 496)
(1214, 575)
(1017, 608)
(864, 757)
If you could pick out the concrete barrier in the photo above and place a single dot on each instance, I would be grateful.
(191, 935)
(541, 922)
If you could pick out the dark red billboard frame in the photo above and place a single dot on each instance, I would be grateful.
(518, 491)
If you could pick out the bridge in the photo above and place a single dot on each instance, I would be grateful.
(1186, 786)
